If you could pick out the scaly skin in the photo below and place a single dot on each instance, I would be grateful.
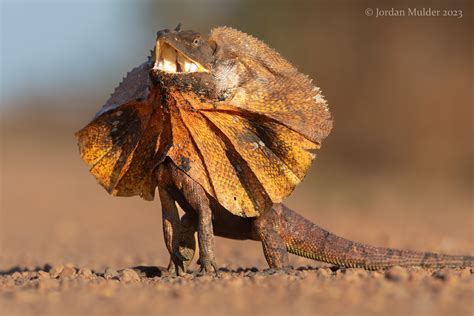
(306, 239)
(225, 127)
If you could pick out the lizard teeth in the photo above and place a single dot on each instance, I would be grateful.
(193, 67)
(185, 64)
(169, 60)
(169, 66)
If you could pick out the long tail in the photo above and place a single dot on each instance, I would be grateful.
(306, 239)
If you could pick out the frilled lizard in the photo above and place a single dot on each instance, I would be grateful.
(225, 128)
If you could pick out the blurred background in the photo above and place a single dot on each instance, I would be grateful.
(397, 170)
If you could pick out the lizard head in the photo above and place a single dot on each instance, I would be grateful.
(183, 59)
(188, 61)
(183, 52)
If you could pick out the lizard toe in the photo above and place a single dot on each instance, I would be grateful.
(208, 267)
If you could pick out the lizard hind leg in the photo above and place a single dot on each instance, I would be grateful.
(274, 248)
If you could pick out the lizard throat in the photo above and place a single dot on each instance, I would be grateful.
(170, 60)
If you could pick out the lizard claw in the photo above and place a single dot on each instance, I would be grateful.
(176, 266)
(208, 267)
(180, 260)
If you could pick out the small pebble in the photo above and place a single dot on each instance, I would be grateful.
(355, 274)
(397, 274)
(43, 275)
(419, 274)
(188, 276)
(376, 274)
(257, 277)
(324, 273)
(85, 273)
(111, 274)
(56, 271)
(225, 276)
(341, 273)
(68, 273)
(129, 275)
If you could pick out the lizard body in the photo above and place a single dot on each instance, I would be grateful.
(225, 128)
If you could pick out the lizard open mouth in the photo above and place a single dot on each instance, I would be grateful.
(169, 59)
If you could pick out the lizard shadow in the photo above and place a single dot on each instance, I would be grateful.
(150, 271)
(20, 269)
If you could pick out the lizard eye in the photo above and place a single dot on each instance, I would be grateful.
(196, 41)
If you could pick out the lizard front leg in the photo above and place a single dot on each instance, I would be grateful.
(172, 231)
(198, 200)
(187, 242)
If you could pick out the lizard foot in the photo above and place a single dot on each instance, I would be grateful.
(208, 267)
(178, 264)
(181, 260)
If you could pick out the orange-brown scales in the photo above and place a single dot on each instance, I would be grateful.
(229, 111)
(224, 127)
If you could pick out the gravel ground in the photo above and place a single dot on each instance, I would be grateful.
(305, 291)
